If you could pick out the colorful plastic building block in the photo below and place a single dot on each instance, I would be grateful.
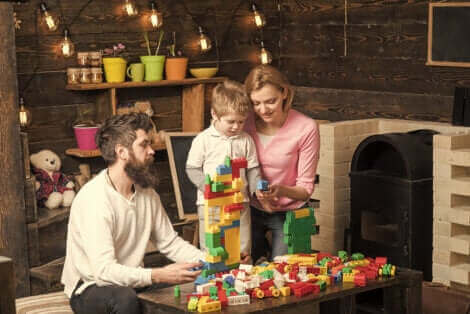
(262, 185)
(299, 226)
(177, 291)
(192, 304)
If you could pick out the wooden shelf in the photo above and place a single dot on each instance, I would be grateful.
(48, 216)
(96, 152)
(190, 81)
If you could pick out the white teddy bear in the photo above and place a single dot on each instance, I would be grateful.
(53, 188)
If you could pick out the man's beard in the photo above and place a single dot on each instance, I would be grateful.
(144, 173)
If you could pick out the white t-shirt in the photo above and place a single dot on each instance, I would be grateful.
(108, 234)
(209, 149)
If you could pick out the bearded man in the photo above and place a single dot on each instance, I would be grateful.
(112, 219)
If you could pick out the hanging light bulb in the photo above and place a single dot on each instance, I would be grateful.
(204, 41)
(129, 8)
(66, 46)
(156, 18)
(25, 115)
(51, 21)
(265, 56)
(259, 18)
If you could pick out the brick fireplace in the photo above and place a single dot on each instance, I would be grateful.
(451, 171)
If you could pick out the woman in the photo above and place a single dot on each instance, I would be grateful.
(287, 144)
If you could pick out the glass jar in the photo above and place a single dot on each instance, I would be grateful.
(85, 75)
(96, 75)
(95, 58)
(83, 59)
(73, 75)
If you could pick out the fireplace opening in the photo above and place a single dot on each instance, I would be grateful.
(392, 199)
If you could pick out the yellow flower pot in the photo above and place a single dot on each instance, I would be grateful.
(114, 69)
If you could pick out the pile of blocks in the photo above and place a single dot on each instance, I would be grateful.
(222, 205)
(292, 274)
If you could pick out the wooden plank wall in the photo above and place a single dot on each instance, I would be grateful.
(348, 59)
(380, 73)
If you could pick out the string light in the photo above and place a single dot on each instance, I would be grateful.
(24, 115)
(265, 56)
(129, 8)
(258, 17)
(204, 41)
(50, 20)
(66, 45)
(156, 18)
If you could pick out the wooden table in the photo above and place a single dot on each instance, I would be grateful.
(402, 295)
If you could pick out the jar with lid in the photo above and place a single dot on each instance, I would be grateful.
(83, 58)
(85, 75)
(95, 58)
(96, 75)
(73, 75)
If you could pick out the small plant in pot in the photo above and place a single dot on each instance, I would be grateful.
(154, 64)
(114, 64)
(176, 64)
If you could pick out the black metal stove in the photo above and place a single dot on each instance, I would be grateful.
(392, 198)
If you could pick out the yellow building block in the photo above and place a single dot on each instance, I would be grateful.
(204, 305)
(232, 245)
(213, 259)
(285, 291)
(348, 277)
(238, 198)
(323, 270)
(222, 178)
(300, 213)
(237, 184)
(220, 201)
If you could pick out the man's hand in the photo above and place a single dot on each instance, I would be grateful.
(175, 273)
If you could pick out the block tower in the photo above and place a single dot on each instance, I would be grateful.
(299, 226)
(222, 205)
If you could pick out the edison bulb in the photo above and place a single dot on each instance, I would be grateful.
(66, 46)
(204, 41)
(265, 56)
(156, 18)
(51, 21)
(129, 8)
(24, 115)
(259, 18)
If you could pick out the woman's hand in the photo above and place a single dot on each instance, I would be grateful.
(267, 201)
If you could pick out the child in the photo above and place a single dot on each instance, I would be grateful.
(225, 137)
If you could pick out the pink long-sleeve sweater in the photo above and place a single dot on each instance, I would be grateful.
(291, 157)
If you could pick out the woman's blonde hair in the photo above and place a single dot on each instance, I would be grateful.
(266, 74)
(230, 97)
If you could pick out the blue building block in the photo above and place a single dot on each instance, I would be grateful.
(262, 185)
(223, 169)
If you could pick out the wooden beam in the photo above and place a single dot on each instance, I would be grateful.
(12, 206)
(7, 297)
(193, 108)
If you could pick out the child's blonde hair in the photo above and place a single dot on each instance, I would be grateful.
(230, 97)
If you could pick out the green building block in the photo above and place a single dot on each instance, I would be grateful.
(322, 285)
(357, 256)
(213, 291)
(212, 240)
(268, 274)
(343, 256)
(346, 270)
(219, 251)
(297, 232)
(228, 161)
(207, 180)
(217, 187)
(177, 291)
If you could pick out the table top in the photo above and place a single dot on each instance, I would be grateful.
(164, 299)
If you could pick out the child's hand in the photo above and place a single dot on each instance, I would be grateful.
(245, 258)
(268, 204)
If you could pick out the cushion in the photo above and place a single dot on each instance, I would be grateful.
(53, 303)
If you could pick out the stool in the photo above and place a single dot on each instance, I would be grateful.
(56, 303)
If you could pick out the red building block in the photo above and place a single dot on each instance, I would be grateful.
(381, 260)
(360, 280)
(222, 297)
(265, 285)
(306, 289)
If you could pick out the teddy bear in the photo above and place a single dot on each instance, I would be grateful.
(53, 188)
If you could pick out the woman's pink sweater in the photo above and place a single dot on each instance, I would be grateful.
(291, 157)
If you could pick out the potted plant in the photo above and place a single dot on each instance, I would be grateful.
(153, 63)
(114, 65)
(176, 64)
